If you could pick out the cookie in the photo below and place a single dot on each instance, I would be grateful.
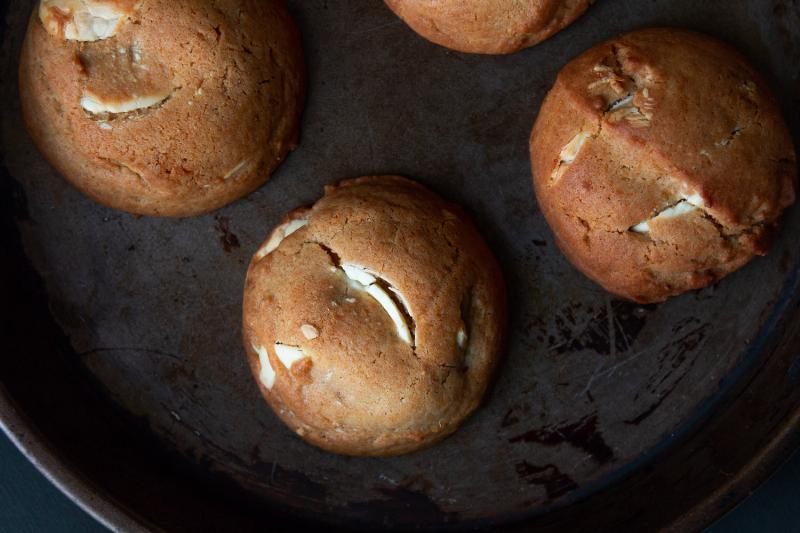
(373, 321)
(661, 163)
(488, 26)
(161, 107)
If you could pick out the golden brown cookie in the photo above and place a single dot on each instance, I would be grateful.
(373, 320)
(661, 163)
(162, 107)
(488, 26)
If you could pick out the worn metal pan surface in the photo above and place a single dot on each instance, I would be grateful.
(123, 376)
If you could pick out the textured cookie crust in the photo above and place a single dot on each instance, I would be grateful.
(163, 107)
(661, 162)
(373, 320)
(488, 26)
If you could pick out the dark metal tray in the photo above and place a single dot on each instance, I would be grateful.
(124, 379)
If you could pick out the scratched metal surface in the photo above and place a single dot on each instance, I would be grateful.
(591, 385)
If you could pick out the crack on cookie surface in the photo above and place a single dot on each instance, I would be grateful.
(389, 297)
(737, 131)
(130, 170)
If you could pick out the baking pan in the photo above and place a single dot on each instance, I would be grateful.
(123, 377)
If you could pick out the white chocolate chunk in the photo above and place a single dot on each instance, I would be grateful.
(288, 355)
(267, 374)
(309, 331)
(391, 309)
(95, 103)
(695, 200)
(280, 233)
(686, 205)
(294, 225)
(568, 154)
(235, 171)
(366, 281)
(84, 20)
(461, 338)
(573, 148)
(136, 52)
(359, 274)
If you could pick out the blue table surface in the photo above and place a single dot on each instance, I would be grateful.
(29, 503)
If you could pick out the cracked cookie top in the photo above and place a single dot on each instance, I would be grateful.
(488, 26)
(661, 162)
(373, 320)
(162, 107)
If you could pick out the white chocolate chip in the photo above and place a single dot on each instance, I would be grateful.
(365, 280)
(687, 204)
(573, 147)
(309, 331)
(288, 355)
(461, 338)
(569, 153)
(95, 103)
(359, 274)
(294, 225)
(136, 52)
(84, 20)
(391, 309)
(695, 200)
(267, 374)
(237, 170)
(280, 233)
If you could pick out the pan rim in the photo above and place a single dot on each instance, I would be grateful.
(115, 516)
(23, 433)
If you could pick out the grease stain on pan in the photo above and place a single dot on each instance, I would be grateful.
(227, 238)
(674, 363)
(509, 419)
(414, 505)
(292, 481)
(555, 483)
(582, 434)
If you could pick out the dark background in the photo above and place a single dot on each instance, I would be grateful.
(28, 502)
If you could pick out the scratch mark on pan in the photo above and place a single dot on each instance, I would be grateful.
(612, 331)
(376, 28)
(131, 349)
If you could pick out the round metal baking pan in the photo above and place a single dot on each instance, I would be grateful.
(123, 378)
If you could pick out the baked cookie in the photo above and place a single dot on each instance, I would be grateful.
(163, 107)
(488, 26)
(661, 162)
(373, 320)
